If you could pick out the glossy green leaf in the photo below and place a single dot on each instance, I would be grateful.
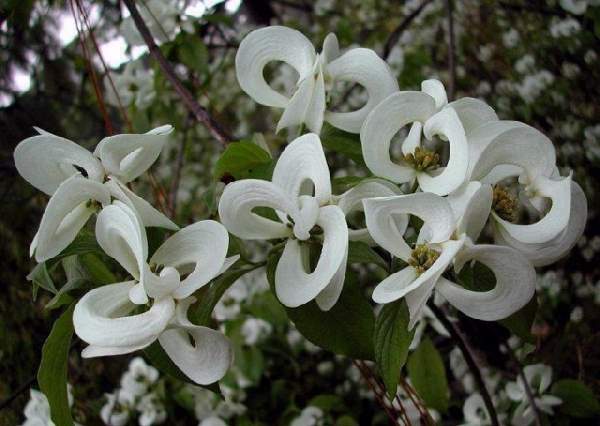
(347, 144)
(243, 160)
(428, 376)
(346, 329)
(359, 252)
(52, 373)
(392, 340)
(577, 399)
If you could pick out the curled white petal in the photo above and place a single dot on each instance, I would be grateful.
(383, 122)
(553, 223)
(435, 212)
(436, 90)
(471, 204)
(543, 254)
(240, 198)
(269, 44)
(522, 146)
(199, 249)
(329, 296)
(149, 215)
(351, 201)
(46, 160)
(447, 124)
(207, 359)
(293, 284)
(100, 318)
(364, 67)
(296, 110)
(396, 285)
(122, 237)
(515, 283)
(303, 161)
(473, 113)
(127, 156)
(65, 215)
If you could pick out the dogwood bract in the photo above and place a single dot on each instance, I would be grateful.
(317, 74)
(102, 317)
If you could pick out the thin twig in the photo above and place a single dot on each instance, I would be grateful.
(397, 33)
(451, 51)
(188, 99)
(107, 123)
(393, 418)
(417, 402)
(467, 352)
(536, 410)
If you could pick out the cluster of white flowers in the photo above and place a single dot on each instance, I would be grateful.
(485, 190)
(37, 409)
(80, 184)
(136, 397)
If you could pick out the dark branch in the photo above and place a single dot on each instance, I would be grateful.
(467, 352)
(188, 99)
(397, 33)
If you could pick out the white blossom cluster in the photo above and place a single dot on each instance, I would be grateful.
(137, 397)
(485, 190)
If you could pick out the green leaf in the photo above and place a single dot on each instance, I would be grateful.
(192, 52)
(347, 144)
(345, 329)
(328, 403)
(391, 341)
(201, 313)
(159, 359)
(360, 252)
(428, 376)
(98, 272)
(52, 374)
(243, 160)
(577, 399)
(346, 421)
(40, 277)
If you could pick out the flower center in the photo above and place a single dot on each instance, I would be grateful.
(422, 258)
(505, 204)
(423, 159)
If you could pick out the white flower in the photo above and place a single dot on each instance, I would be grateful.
(538, 377)
(475, 411)
(212, 421)
(450, 225)
(310, 416)
(427, 318)
(117, 409)
(139, 377)
(576, 7)
(77, 180)
(134, 86)
(152, 410)
(101, 316)
(506, 149)
(317, 76)
(37, 410)
(301, 170)
(255, 330)
(427, 112)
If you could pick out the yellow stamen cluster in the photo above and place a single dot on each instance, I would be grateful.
(505, 204)
(423, 159)
(422, 258)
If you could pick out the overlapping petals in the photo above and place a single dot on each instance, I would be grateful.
(103, 317)
(317, 74)
(75, 179)
(299, 193)
(442, 241)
